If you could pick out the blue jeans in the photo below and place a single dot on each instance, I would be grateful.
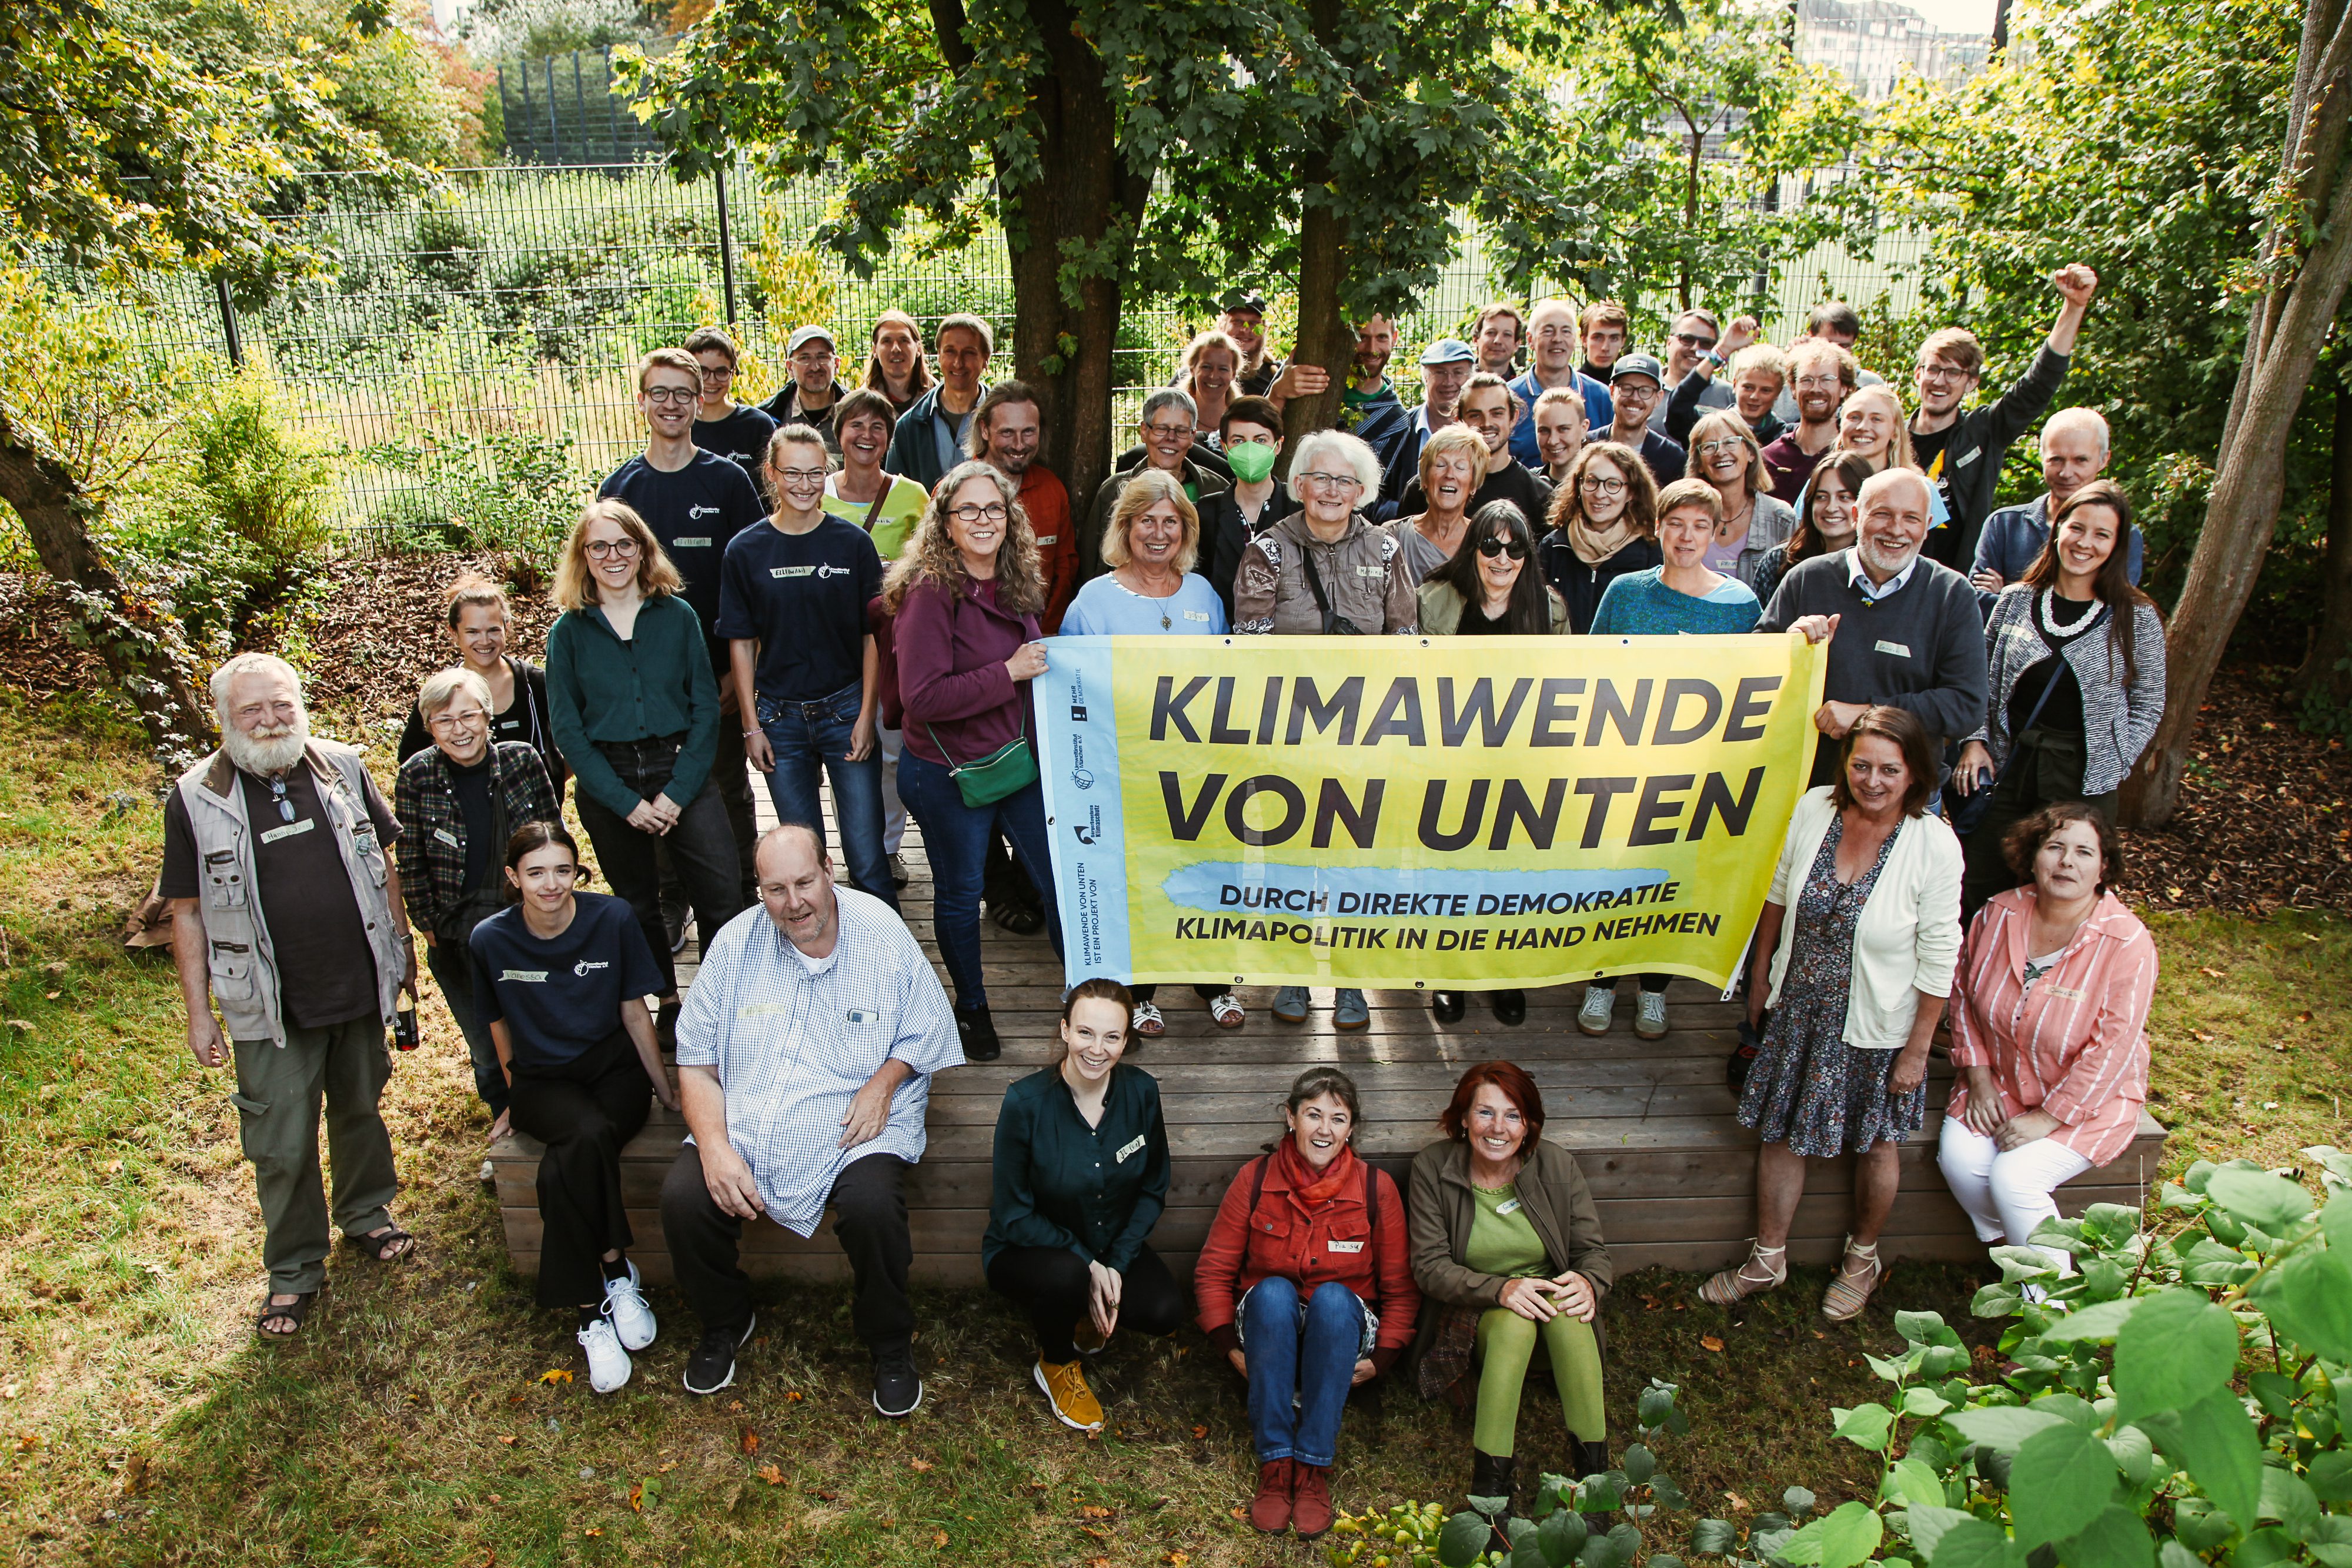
(957, 838)
(807, 736)
(1302, 1358)
(453, 971)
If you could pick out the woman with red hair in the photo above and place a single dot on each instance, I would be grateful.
(1507, 1243)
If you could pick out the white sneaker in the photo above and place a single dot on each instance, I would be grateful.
(1650, 1017)
(1600, 1001)
(625, 1303)
(489, 1173)
(608, 1364)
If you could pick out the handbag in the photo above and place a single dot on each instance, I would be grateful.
(1333, 625)
(1969, 811)
(1007, 770)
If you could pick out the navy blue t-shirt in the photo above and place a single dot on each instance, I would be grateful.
(694, 512)
(560, 998)
(803, 597)
(742, 438)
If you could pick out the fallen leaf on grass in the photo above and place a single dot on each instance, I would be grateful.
(507, 1439)
(1708, 1342)
(822, 1496)
(1177, 1559)
(1092, 1533)
(2302, 1017)
(749, 1441)
(638, 1498)
(939, 1538)
(2211, 973)
(555, 1374)
(791, 1395)
(770, 1474)
(1735, 1499)
(1094, 1510)
(1239, 1512)
(919, 1464)
(1200, 1434)
(592, 1530)
(1097, 1562)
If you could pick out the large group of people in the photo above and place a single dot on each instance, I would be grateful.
(865, 580)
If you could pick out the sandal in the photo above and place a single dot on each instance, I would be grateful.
(386, 1246)
(1226, 1008)
(1146, 1022)
(292, 1311)
(1843, 1300)
(1733, 1286)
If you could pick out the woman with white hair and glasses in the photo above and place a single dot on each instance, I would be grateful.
(459, 801)
(1325, 571)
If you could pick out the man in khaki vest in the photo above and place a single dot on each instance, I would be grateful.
(285, 913)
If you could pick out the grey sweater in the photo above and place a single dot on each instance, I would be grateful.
(1920, 648)
(2118, 721)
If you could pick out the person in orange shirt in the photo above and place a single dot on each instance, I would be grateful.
(1005, 431)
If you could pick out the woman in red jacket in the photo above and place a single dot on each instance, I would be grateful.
(1306, 1283)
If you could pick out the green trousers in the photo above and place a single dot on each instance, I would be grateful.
(1507, 1347)
(278, 1094)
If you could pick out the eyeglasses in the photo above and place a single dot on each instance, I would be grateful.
(803, 477)
(1818, 383)
(1728, 443)
(718, 373)
(1168, 432)
(1943, 373)
(1592, 485)
(812, 361)
(277, 794)
(968, 513)
(1692, 341)
(600, 548)
(1493, 544)
(672, 395)
(1332, 481)
(446, 722)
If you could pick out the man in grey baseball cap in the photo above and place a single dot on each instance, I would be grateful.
(1446, 366)
(1636, 387)
(809, 395)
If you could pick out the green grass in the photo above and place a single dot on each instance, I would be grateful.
(140, 1424)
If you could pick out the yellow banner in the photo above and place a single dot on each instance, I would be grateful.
(1460, 812)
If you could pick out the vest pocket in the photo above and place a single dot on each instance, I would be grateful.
(232, 967)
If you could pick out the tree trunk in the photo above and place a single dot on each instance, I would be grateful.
(1085, 198)
(2289, 324)
(1326, 338)
(140, 642)
(2326, 672)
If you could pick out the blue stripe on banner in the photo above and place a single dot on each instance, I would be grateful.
(1078, 729)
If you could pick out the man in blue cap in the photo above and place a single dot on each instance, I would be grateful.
(1446, 368)
(1636, 388)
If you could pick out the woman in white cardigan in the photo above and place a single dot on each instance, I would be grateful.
(1856, 983)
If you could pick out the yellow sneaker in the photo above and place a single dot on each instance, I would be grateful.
(1073, 1403)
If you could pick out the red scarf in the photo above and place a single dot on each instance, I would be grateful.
(1312, 1188)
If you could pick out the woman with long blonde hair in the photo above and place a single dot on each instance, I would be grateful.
(635, 710)
(966, 593)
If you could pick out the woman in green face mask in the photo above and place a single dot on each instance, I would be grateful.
(1250, 438)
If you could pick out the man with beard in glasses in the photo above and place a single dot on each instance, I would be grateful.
(285, 913)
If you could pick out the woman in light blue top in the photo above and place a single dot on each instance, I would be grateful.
(1682, 595)
(1151, 543)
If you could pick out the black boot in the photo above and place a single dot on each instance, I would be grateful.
(1492, 1476)
(1592, 1459)
(979, 1033)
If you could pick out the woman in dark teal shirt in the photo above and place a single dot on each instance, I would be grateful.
(1081, 1174)
(635, 710)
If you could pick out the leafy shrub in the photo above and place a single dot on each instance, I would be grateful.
(514, 491)
(262, 478)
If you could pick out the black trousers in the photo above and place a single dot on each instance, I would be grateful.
(701, 847)
(583, 1114)
(870, 1219)
(1054, 1284)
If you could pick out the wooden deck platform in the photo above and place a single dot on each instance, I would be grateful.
(1651, 1123)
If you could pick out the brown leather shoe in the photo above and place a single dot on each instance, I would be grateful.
(1270, 1509)
(1310, 1501)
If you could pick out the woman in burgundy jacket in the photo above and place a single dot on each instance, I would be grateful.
(966, 593)
(1306, 1283)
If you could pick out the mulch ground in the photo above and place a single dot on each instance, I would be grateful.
(2262, 824)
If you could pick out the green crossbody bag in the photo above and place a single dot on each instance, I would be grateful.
(1007, 770)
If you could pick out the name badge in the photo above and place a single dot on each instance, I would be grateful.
(1128, 1150)
(1043, 540)
(1344, 1246)
(288, 830)
(790, 570)
(1196, 615)
(1372, 571)
(765, 1010)
(861, 1015)
(1508, 1206)
(682, 543)
(2067, 993)
(531, 976)
(447, 837)
(1965, 458)
(1900, 650)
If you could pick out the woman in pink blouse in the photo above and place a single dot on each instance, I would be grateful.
(2049, 1028)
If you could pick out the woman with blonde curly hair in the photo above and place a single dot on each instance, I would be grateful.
(966, 593)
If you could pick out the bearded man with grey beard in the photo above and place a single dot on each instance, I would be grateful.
(285, 913)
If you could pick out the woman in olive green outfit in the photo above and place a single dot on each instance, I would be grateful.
(1507, 1246)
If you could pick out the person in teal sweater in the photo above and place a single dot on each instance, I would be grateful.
(1080, 1177)
(1681, 595)
(635, 710)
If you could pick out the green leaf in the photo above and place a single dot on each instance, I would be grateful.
(2335, 1219)
(2134, 1454)
(1842, 1539)
(2263, 1547)
(2259, 1197)
(1561, 1536)
(1714, 1536)
(2288, 1498)
(2100, 1321)
(2173, 1554)
(2116, 1538)
(1798, 1502)
(1866, 1426)
(1597, 1494)
(1916, 1484)
(1923, 1402)
(2307, 1295)
(1925, 1328)
(1638, 1463)
(2174, 1350)
(1654, 1406)
(2003, 1426)
(1463, 1540)
(2197, 1523)
(1972, 1544)
(2062, 1477)
(1930, 1523)
(2214, 1441)
(2330, 1476)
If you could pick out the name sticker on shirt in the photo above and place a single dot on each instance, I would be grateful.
(682, 543)
(1372, 571)
(1900, 650)
(447, 837)
(861, 1015)
(1044, 539)
(765, 1010)
(1128, 1150)
(1196, 615)
(533, 976)
(1508, 1206)
(1344, 1246)
(288, 830)
(2067, 993)
(790, 570)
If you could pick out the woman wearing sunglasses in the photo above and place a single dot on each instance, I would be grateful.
(1491, 589)
(1682, 595)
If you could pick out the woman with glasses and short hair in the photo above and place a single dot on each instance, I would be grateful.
(1325, 571)
(1603, 524)
(481, 629)
(1754, 525)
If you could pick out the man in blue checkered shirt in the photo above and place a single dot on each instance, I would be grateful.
(805, 1057)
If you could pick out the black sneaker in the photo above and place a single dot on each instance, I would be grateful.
(1510, 1007)
(897, 1391)
(711, 1367)
(675, 917)
(1020, 919)
(665, 1027)
(1448, 1006)
(979, 1033)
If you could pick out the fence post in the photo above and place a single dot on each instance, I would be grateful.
(523, 74)
(612, 108)
(726, 247)
(554, 133)
(229, 336)
(579, 101)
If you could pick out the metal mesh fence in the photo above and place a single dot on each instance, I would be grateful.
(492, 327)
